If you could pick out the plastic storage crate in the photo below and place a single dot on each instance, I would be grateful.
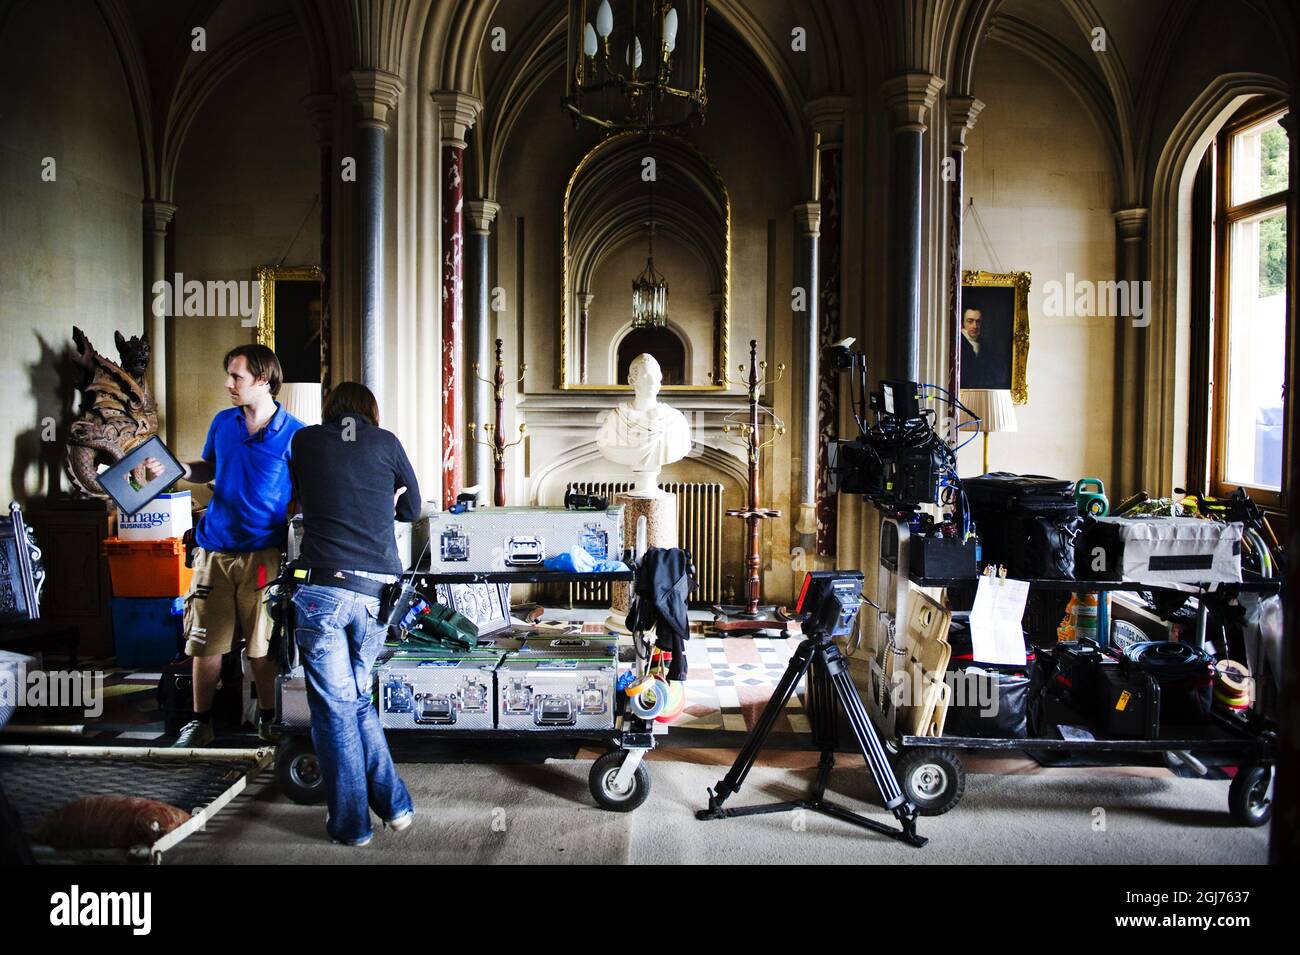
(147, 631)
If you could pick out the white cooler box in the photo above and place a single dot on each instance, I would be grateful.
(1159, 550)
(166, 516)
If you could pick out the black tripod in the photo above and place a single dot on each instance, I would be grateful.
(829, 669)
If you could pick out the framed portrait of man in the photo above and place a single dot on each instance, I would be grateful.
(994, 334)
(292, 320)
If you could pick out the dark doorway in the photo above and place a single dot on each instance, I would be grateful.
(663, 344)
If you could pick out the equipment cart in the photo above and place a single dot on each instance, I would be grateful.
(619, 780)
(930, 768)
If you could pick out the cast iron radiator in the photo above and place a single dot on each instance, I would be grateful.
(699, 530)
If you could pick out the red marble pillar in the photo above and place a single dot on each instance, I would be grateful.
(828, 268)
(453, 310)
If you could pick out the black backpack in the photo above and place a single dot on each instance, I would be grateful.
(1026, 522)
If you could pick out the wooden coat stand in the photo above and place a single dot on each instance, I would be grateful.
(495, 436)
(752, 615)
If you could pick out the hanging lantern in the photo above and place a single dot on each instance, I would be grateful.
(636, 64)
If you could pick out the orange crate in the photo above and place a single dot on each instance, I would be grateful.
(148, 568)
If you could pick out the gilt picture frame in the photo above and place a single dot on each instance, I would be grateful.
(994, 334)
(292, 319)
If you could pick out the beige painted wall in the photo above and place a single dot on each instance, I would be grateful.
(246, 182)
(70, 250)
(1040, 179)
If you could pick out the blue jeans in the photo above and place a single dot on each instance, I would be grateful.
(339, 635)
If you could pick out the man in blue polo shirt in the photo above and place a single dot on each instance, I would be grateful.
(240, 537)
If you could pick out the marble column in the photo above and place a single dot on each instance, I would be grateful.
(808, 217)
(457, 112)
(481, 214)
(827, 116)
(1130, 362)
(584, 318)
(376, 92)
(157, 215)
(962, 113)
(320, 108)
(910, 97)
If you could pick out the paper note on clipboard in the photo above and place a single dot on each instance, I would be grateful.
(996, 634)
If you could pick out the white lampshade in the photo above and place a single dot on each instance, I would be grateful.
(993, 406)
(604, 19)
(302, 399)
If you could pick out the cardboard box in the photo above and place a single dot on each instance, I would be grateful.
(168, 515)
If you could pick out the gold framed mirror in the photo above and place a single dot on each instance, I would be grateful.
(637, 206)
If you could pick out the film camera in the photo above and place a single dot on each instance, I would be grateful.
(897, 462)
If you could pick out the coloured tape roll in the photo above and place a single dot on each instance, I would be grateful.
(651, 702)
(676, 703)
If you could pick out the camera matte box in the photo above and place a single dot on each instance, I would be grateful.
(503, 539)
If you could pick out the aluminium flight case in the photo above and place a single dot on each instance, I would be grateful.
(291, 693)
(519, 538)
(542, 692)
(438, 690)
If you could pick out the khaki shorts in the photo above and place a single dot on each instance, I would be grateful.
(224, 599)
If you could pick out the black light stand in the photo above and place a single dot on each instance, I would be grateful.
(828, 606)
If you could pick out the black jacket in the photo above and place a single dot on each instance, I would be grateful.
(344, 481)
(663, 583)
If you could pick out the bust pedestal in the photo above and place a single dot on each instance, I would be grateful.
(660, 513)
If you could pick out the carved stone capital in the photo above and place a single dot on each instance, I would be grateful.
(809, 217)
(1291, 123)
(320, 110)
(158, 214)
(376, 92)
(827, 117)
(1131, 223)
(456, 112)
(910, 97)
(584, 301)
(962, 113)
(481, 213)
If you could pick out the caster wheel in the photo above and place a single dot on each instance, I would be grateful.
(297, 771)
(932, 779)
(1250, 797)
(605, 790)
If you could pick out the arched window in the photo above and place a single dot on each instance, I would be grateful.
(663, 344)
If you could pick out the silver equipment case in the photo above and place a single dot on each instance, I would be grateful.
(506, 539)
(291, 693)
(541, 692)
(438, 689)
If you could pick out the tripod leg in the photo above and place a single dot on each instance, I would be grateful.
(868, 741)
(731, 783)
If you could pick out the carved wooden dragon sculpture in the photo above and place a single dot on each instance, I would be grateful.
(118, 412)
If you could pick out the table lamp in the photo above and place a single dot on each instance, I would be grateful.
(302, 399)
(994, 408)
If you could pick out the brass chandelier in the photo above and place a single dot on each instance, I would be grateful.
(650, 293)
(636, 64)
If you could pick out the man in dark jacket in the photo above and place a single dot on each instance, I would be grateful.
(350, 476)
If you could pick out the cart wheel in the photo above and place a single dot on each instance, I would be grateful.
(297, 771)
(932, 779)
(601, 780)
(1250, 797)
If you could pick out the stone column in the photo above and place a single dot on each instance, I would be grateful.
(377, 92)
(808, 216)
(827, 116)
(962, 112)
(584, 315)
(157, 215)
(457, 112)
(481, 214)
(1131, 348)
(910, 97)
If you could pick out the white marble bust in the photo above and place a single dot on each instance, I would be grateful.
(644, 434)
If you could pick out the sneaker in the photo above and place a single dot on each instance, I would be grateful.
(194, 735)
(401, 822)
(264, 730)
(364, 841)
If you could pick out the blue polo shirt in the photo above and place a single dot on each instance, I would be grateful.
(250, 503)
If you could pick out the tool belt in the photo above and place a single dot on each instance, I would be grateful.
(323, 577)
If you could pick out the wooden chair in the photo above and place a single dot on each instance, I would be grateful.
(21, 577)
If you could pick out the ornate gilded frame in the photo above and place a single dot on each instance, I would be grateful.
(267, 276)
(566, 294)
(1020, 282)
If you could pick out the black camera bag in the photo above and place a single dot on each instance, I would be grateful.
(1025, 522)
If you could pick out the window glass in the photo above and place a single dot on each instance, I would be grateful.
(1259, 162)
(1256, 351)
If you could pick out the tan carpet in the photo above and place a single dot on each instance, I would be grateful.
(544, 813)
